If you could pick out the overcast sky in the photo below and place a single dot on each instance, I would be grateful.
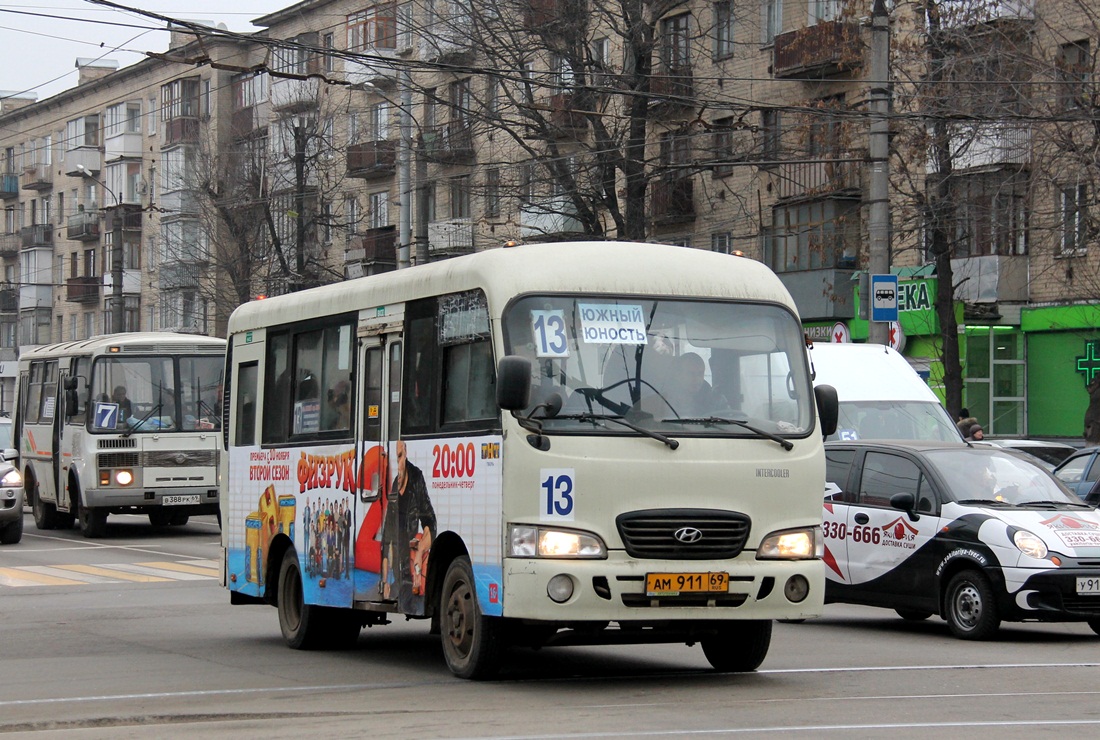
(40, 40)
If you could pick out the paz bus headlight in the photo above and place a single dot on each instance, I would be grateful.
(525, 541)
(791, 544)
(121, 477)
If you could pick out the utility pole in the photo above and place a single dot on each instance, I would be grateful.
(299, 204)
(404, 166)
(878, 226)
(118, 305)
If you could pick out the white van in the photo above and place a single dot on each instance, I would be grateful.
(881, 396)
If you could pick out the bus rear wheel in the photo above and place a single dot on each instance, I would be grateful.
(308, 626)
(45, 514)
(739, 647)
(471, 641)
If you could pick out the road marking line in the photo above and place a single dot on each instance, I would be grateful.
(206, 571)
(110, 572)
(61, 572)
(18, 577)
(173, 575)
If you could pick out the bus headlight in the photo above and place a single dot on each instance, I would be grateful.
(12, 479)
(791, 544)
(124, 477)
(525, 541)
(1029, 544)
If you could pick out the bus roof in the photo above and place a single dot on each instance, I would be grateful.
(624, 268)
(147, 342)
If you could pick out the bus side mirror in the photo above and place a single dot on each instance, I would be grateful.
(828, 408)
(513, 382)
(72, 403)
(71, 383)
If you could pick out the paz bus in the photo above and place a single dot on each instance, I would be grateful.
(121, 423)
(552, 444)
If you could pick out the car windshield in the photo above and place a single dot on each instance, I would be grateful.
(894, 420)
(679, 367)
(985, 474)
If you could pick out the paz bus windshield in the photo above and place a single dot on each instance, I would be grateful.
(156, 393)
(673, 366)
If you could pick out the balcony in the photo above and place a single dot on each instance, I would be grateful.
(371, 159)
(672, 90)
(673, 201)
(450, 144)
(376, 72)
(294, 94)
(181, 130)
(549, 218)
(822, 50)
(88, 157)
(10, 244)
(565, 114)
(990, 145)
(38, 235)
(825, 177)
(124, 146)
(991, 278)
(9, 185)
(959, 14)
(83, 289)
(83, 227)
(822, 294)
(131, 216)
(37, 177)
(180, 276)
(179, 203)
(450, 238)
(244, 123)
(131, 283)
(375, 247)
(448, 40)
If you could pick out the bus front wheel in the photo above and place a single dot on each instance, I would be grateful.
(93, 521)
(308, 626)
(739, 647)
(471, 641)
(45, 514)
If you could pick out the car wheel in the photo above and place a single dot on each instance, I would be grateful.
(970, 607)
(471, 641)
(159, 518)
(12, 533)
(740, 647)
(913, 615)
(308, 626)
(45, 515)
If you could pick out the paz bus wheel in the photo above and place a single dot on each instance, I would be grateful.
(308, 626)
(93, 521)
(45, 514)
(471, 641)
(739, 647)
(970, 607)
(159, 517)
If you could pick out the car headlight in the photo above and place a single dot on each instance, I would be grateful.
(12, 479)
(1029, 544)
(526, 541)
(791, 544)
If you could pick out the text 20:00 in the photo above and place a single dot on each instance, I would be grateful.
(454, 463)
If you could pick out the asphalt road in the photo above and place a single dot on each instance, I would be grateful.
(131, 636)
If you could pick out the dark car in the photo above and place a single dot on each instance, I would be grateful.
(1080, 473)
(976, 534)
(1049, 454)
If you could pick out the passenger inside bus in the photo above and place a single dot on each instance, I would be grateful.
(125, 410)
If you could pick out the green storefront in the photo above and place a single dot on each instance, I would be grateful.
(1062, 356)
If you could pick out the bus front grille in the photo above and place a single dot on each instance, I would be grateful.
(683, 534)
(119, 459)
(180, 458)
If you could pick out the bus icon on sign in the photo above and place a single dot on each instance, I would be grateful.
(884, 294)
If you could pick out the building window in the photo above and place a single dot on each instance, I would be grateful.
(373, 28)
(1074, 75)
(722, 147)
(124, 118)
(991, 214)
(824, 10)
(379, 215)
(771, 20)
(723, 29)
(675, 43)
(812, 236)
(460, 197)
(721, 241)
(351, 214)
(996, 380)
(180, 99)
(328, 44)
(1073, 210)
(492, 193)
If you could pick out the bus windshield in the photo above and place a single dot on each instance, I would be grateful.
(154, 394)
(689, 367)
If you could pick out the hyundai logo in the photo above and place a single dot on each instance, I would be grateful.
(688, 535)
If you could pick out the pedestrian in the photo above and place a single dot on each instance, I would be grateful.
(975, 433)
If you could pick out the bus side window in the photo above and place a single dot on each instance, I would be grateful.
(245, 432)
(276, 412)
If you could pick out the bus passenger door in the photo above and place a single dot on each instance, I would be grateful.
(379, 385)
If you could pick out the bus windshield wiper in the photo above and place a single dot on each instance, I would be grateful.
(715, 420)
(597, 418)
(159, 405)
(1046, 504)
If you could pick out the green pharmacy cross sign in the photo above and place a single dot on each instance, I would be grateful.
(1089, 365)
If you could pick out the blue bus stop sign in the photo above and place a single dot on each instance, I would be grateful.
(884, 298)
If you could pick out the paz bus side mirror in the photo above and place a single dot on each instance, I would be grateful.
(828, 408)
(513, 383)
